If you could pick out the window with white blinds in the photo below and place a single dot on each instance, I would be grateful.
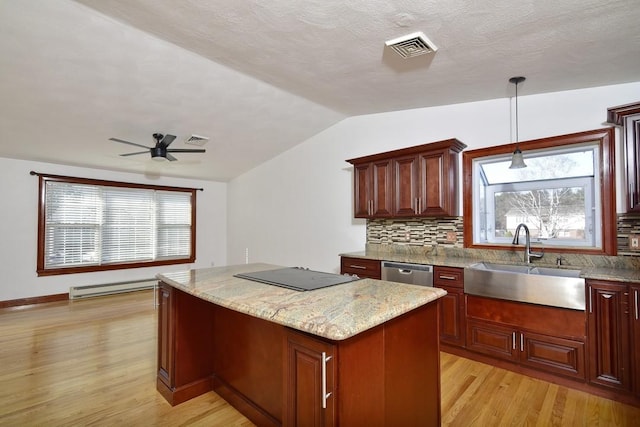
(90, 225)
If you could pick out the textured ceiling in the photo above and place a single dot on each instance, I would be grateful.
(260, 76)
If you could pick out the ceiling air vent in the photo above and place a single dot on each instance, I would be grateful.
(197, 140)
(411, 45)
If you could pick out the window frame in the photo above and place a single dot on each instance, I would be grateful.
(606, 170)
(40, 267)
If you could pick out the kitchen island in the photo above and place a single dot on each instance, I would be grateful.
(360, 353)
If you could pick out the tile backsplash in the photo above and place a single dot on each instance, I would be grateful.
(448, 233)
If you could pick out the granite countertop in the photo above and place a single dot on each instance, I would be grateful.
(337, 312)
(586, 272)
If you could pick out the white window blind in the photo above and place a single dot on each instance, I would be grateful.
(97, 225)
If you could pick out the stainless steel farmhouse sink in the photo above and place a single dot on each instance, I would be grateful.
(537, 285)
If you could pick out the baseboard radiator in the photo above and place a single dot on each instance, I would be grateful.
(77, 292)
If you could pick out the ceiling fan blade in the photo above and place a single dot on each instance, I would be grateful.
(133, 154)
(186, 150)
(127, 142)
(168, 139)
(170, 157)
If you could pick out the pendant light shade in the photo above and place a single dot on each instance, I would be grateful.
(517, 161)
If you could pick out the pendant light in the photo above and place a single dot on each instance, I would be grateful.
(517, 162)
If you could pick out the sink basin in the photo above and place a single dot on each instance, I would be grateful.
(536, 285)
(558, 272)
(502, 267)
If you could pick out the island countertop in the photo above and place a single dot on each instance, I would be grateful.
(336, 312)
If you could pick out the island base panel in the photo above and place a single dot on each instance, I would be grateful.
(388, 375)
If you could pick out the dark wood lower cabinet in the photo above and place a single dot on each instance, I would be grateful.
(310, 381)
(183, 360)
(386, 376)
(492, 339)
(361, 267)
(541, 352)
(634, 292)
(547, 339)
(552, 354)
(452, 306)
(609, 339)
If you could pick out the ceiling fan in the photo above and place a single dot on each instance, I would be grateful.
(161, 151)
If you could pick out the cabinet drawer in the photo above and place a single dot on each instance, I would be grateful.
(448, 276)
(369, 268)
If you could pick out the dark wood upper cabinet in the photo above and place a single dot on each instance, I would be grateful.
(418, 181)
(628, 117)
(373, 189)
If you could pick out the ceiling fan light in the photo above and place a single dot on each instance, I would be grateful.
(517, 161)
(158, 154)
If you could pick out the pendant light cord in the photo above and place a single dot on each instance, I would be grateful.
(517, 136)
(516, 80)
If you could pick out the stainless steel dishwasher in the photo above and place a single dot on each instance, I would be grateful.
(414, 274)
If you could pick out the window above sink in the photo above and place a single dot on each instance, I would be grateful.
(565, 195)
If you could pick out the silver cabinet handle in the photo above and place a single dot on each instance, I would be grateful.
(361, 267)
(415, 206)
(447, 277)
(635, 295)
(521, 342)
(325, 395)
(513, 340)
(590, 301)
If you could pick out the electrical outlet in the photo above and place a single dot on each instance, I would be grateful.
(634, 242)
(451, 236)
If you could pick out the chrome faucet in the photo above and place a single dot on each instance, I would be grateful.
(527, 245)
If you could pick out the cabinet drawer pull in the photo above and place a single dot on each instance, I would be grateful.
(447, 277)
(590, 300)
(521, 342)
(361, 267)
(513, 340)
(635, 295)
(325, 395)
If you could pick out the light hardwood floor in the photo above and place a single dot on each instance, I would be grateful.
(92, 362)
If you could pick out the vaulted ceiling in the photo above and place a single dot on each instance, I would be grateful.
(258, 77)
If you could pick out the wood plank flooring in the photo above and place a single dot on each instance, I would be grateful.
(93, 362)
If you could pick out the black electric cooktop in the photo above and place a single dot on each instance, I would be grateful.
(297, 278)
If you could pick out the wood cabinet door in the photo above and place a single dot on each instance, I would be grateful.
(628, 116)
(492, 339)
(310, 382)
(632, 145)
(362, 190)
(433, 195)
(405, 192)
(166, 335)
(552, 354)
(635, 335)
(382, 176)
(373, 189)
(452, 306)
(608, 331)
(452, 317)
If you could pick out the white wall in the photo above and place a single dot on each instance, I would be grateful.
(18, 229)
(296, 209)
